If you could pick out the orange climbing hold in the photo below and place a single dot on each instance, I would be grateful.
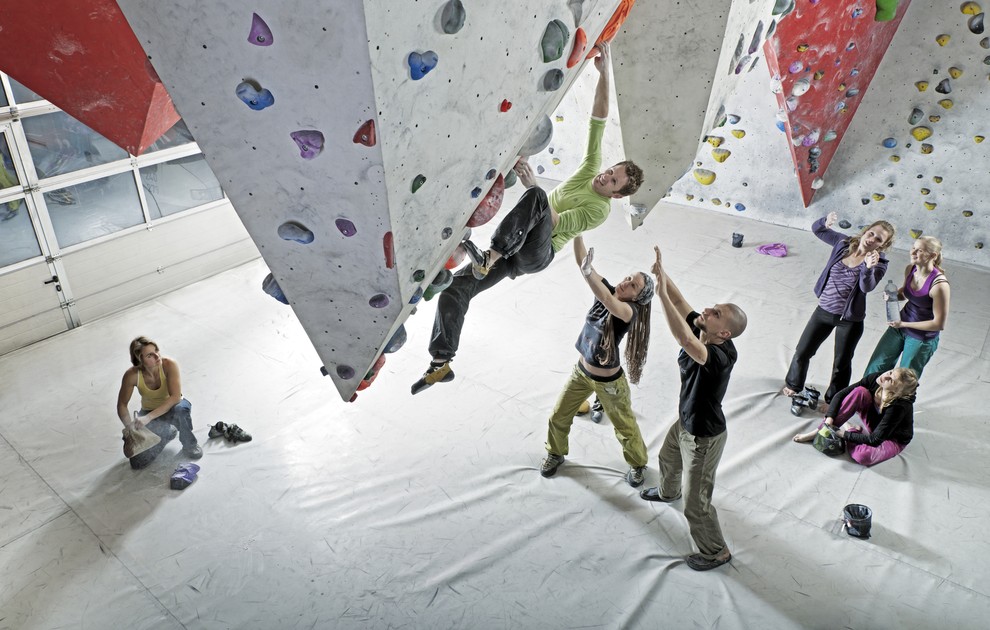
(612, 27)
(580, 45)
(388, 244)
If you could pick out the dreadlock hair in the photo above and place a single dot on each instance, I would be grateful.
(637, 342)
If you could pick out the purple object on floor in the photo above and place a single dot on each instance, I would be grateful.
(183, 476)
(778, 250)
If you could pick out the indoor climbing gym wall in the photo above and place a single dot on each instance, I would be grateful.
(831, 118)
(358, 139)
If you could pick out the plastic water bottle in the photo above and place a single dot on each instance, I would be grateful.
(893, 310)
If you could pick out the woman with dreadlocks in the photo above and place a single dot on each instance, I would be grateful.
(616, 311)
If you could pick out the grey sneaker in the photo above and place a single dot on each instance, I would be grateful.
(597, 411)
(636, 476)
(550, 464)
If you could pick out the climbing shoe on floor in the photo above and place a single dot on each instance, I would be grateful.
(230, 432)
(438, 372)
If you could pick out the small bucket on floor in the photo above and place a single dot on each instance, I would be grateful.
(858, 520)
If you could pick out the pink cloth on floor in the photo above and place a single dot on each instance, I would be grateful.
(778, 250)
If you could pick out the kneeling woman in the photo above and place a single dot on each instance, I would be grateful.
(885, 403)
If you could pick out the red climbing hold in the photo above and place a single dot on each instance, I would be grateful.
(580, 45)
(456, 258)
(612, 28)
(489, 205)
(505, 106)
(389, 250)
(366, 134)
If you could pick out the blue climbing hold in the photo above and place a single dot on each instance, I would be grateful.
(890, 143)
(740, 207)
(270, 286)
(780, 125)
(295, 231)
(254, 96)
(397, 341)
(421, 64)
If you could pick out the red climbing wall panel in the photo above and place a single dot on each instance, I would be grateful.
(83, 57)
(825, 53)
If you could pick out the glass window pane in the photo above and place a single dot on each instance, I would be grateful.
(3, 99)
(178, 185)
(61, 144)
(86, 211)
(22, 94)
(8, 176)
(178, 135)
(17, 239)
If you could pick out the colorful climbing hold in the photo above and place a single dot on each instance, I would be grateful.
(944, 87)
(510, 179)
(490, 205)
(921, 133)
(504, 106)
(830, 135)
(795, 67)
(895, 158)
(379, 300)
(295, 231)
(943, 39)
(721, 155)
(456, 258)
(539, 138)
(716, 201)
(733, 119)
(800, 87)
(817, 183)
(346, 227)
(925, 191)
(254, 96)
(388, 245)
(819, 74)
(475, 192)
(886, 10)
(878, 197)
(857, 12)
(366, 134)
(946, 103)
(976, 24)
(452, 17)
(865, 201)
(889, 143)
(915, 233)
(927, 148)
(345, 372)
(397, 340)
(740, 207)
(270, 286)
(309, 141)
(715, 141)
(985, 42)
(802, 47)
(612, 26)
(440, 282)
(916, 116)
(934, 118)
(978, 139)
(704, 176)
(421, 64)
(739, 133)
(930, 205)
(937, 179)
(970, 8)
(921, 85)
(967, 213)
(689, 197)
(955, 72)
(553, 79)
(554, 39)
(418, 182)
(845, 225)
(416, 296)
(580, 45)
(260, 34)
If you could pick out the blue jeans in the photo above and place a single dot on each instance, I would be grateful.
(178, 417)
(914, 353)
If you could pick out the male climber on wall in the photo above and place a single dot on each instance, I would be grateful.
(537, 227)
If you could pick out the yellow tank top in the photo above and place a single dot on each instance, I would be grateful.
(151, 399)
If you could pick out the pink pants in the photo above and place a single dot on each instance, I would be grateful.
(859, 401)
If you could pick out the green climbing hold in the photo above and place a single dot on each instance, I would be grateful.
(886, 10)
(554, 39)
(418, 182)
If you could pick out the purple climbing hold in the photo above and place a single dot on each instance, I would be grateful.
(421, 64)
(260, 34)
(346, 227)
(452, 17)
(795, 66)
(857, 12)
(491, 174)
(476, 192)
(754, 45)
(270, 286)
(295, 231)
(254, 96)
(418, 182)
(379, 300)
(345, 372)
(309, 141)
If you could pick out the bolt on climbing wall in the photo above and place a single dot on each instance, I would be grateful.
(356, 139)
(913, 154)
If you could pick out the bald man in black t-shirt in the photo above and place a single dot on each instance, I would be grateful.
(694, 444)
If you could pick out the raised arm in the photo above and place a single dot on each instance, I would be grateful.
(599, 108)
(822, 228)
(584, 259)
(676, 311)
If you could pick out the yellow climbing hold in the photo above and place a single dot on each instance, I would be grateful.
(978, 139)
(721, 155)
(921, 85)
(704, 176)
(819, 74)
(715, 141)
(841, 88)
(946, 103)
(934, 118)
(927, 148)
(802, 47)
(915, 233)
(739, 133)
(942, 39)
(921, 133)
(930, 205)
(970, 8)
(925, 191)
(689, 197)
(556, 161)
(937, 179)
(878, 197)
(716, 201)
(895, 158)
(967, 213)
(955, 72)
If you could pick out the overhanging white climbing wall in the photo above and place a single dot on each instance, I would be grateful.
(279, 95)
